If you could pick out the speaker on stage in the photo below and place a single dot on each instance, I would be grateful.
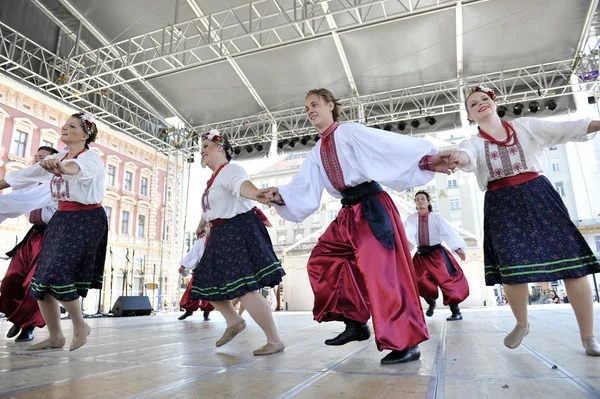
(132, 306)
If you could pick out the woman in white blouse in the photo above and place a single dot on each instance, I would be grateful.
(74, 248)
(238, 259)
(528, 235)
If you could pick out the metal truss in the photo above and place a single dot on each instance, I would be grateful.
(535, 82)
(244, 29)
(31, 63)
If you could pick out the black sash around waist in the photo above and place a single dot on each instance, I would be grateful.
(374, 211)
(424, 249)
(35, 227)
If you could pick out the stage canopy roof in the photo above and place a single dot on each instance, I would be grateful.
(244, 67)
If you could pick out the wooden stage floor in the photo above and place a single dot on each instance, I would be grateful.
(161, 357)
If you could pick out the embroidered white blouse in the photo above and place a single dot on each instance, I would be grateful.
(439, 231)
(365, 154)
(490, 161)
(224, 200)
(21, 202)
(191, 259)
(85, 187)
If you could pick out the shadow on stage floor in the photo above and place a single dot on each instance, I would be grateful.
(161, 357)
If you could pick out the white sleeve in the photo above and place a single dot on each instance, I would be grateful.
(33, 174)
(90, 167)
(447, 234)
(302, 196)
(468, 148)
(389, 158)
(191, 259)
(232, 177)
(410, 226)
(549, 133)
(21, 202)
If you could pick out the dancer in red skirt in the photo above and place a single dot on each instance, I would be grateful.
(189, 262)
(15, 302)
(361, 266)
(434, 265)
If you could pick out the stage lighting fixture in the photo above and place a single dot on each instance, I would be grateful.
(534, 106)
(281, 144)
(305, 140)
(415, 123)
(317, 137)
(191, 159)
(401, 125)
(376, 127)
(517, 109)
(258, 146)
(292, 144)
(591, 100)
(388, 127)
(501, 111)
(249, 149)
(431, 120)
(237, 150)
(551, 104)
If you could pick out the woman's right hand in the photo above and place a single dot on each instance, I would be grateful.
(200, 232)
(458, 159)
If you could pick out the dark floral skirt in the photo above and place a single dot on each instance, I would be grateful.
(529, 237)
(73, 254)
(238, 259)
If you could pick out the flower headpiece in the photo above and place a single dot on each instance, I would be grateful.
(89, 121)
(483, 89)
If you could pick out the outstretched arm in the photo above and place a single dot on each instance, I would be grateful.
(249, 191)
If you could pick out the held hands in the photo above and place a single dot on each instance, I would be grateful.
(54, 166)
(448, 161)
(461, 254)
(270, 196)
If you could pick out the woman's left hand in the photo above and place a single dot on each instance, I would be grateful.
(54, 166)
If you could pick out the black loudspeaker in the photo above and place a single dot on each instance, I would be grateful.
(132, 306)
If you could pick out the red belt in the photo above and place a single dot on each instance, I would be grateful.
(76, 206)
(260, 214)
(512, 180)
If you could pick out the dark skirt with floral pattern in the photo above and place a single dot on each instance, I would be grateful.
(238, 259)
(529, 237)
(73, 255)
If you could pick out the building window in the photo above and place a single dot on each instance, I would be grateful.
(430, 187)
(553, 148)
(108, 211)
(282, 240)
(452, 182)
(560, 187)
(46, 143)
(454, 203)
(20, 144)
(434, 206)
(299, 237)
(556, 165)
(598, 243)
(264, 184)
(128, 179)
(281, 222)
(316, 218)
(333, 214)
(110, 175)
(125, 222)
(410, 190)
(144, 187)
(141, 225)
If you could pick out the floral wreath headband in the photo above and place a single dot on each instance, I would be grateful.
(483, 89)
(215, 136)
(89, 122)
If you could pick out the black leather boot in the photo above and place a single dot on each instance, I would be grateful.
(407, 355)
(185, 315)
(355, 331)
(432, 306)
(205, 314)
(456, 315)
(14, 330)
(26, 335)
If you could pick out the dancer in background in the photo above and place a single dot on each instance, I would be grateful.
(15, 302)
(239, 258)
(528, 234)
(74, 247)
(434, 265)
(361, 265)
(189, 262)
